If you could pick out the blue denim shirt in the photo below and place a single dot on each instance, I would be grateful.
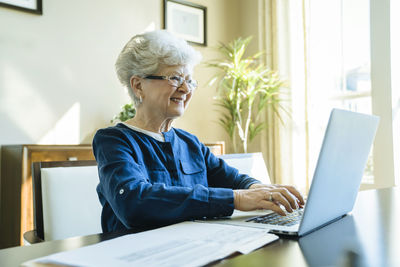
(148, 183)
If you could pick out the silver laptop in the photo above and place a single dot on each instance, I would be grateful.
(336, 181)
(336, 244)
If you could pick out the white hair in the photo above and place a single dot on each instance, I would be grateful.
(145, 53)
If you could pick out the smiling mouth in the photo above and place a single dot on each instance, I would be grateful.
(177, 100)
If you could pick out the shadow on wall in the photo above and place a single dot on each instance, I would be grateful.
(34, 111)
(11, 132)
(28, 109)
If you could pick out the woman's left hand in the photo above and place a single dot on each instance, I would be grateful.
(290, 188)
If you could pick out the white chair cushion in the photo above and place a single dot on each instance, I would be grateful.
(70, 203)
(251, 164)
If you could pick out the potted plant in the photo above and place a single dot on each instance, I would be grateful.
(245, 88)
(128, 111)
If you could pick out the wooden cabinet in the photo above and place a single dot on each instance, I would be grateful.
(16, 203)
(217, 148)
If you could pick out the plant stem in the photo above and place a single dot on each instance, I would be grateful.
(247, 126)
(234, 141)
(238, 113)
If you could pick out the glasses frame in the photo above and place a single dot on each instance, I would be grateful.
(191, 84)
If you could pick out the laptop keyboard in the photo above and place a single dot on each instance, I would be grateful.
(276, 219)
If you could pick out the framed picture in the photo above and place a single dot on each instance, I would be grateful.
(32, 6)
(186, 20)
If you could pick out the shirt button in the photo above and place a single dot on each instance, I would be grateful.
(121, 191)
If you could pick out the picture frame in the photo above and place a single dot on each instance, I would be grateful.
(31, 6)
(186, 20)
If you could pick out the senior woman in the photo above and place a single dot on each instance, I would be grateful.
(152, 174)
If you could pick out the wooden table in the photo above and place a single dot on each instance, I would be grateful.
(369, 236)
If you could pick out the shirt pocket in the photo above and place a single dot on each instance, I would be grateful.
(158, 174)
(192, 173)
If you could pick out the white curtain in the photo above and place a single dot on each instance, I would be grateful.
(283, 35)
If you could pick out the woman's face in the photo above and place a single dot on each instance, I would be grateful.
(164, 100)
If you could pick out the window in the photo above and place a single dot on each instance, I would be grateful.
(339, 66)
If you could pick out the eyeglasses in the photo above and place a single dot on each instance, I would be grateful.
(176, 81)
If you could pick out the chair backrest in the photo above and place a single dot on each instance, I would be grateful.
(65, 199)
(252, 164)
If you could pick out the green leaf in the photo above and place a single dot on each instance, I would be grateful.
(254, 130)
(245, 87)
(128, 111)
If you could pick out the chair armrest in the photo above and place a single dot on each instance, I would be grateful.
(30, 237)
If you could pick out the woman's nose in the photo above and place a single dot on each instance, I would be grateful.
(185, 88)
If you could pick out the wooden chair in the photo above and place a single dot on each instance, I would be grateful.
(66, 203)
(65, 200)
(252, 164)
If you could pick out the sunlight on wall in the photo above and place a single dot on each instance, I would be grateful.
(67, 128)
(22, 104)
(395, 62)
(150, 27)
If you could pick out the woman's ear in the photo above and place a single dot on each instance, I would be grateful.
(136, 85)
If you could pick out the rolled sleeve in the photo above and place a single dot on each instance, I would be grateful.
(221, 202)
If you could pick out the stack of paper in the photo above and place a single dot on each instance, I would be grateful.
(183, 244)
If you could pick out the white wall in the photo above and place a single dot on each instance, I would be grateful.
(57, 70)
(63, 58)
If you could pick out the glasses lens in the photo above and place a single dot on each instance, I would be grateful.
(192, 84)
(178, 81)
(175, 80)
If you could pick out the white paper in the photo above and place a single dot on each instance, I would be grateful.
(183, 244)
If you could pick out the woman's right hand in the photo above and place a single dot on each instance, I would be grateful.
(276, 198)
